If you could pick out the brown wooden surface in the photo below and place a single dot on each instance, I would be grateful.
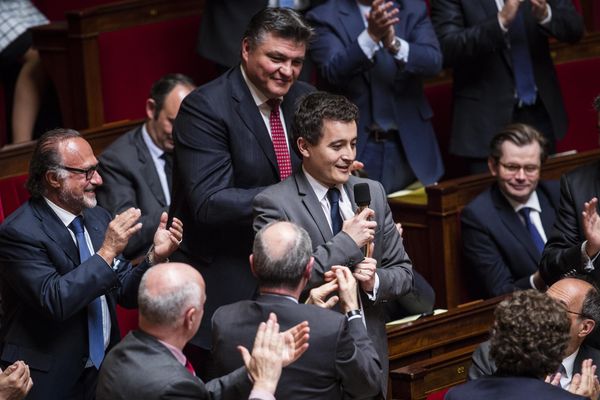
(14, 160)
(69, 51)
(418, 380)
(432, 230)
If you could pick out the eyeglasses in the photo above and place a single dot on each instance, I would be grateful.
(579, 314)
(529, 169)
(89, 173)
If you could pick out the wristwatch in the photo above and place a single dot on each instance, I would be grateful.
(394, 47)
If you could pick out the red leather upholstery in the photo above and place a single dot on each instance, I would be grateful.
(12, 194)
(439, 395)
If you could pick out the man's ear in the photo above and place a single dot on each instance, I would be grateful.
(150, 108)
(303, 147)
(252, 265)
(51, 177)
(587, 326)
(492, 166)
(309, 267)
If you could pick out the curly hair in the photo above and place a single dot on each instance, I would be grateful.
(529, 335)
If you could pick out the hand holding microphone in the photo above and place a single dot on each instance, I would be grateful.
(362, 197)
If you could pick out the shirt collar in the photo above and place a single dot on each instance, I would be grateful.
(569, 362)
(280, 295)
(258, 96)
(533, 202)
(178, 354)
(154, 150)
(320, 189)
(65, 216)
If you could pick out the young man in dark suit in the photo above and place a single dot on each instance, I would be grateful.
(504, 229)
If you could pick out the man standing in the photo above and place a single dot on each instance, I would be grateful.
(574, 244)
(62, 275)
(504, 229)
(320, 198)
(340, 362)
(376, 53)
(502, 69)
(149, 364)
(230, 143)
(582, 302)
(137, 167)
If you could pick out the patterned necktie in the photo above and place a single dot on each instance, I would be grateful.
(533, 232)
(95, 334)
(168, 157)
(282, 153)
(333, 195)
(521, 60)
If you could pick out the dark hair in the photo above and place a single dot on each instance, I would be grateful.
(317, 107)
(162, 87)
(46, 157)
(282, 266)
(530, 335)
(281, 22)
(596, 103)
(519, 134)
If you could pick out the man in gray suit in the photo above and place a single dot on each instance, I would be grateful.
(341, 361)
(320, 198)
(149, 363)
(137, 167)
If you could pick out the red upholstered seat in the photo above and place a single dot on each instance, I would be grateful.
(12, 194)
(439, 395)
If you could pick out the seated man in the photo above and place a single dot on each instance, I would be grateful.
(137, 167)
(320, 198)
(504, 228)
(149, 363)
(61, 270)
(582, 302)
(529, 338)
(340, 362)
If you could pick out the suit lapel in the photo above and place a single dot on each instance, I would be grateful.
(548, 212)
(513, 223)
(94, 228)
(250, 115)
(55, 229)
(352, 22)
(312, 205)
(148, 169)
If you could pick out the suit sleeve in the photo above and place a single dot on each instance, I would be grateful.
(566, 24)
(483, 256)
(425, 56)
(481, 365)
(118, 194)
(205, 166)
(460, 42)
(562, 252)
(357, 362)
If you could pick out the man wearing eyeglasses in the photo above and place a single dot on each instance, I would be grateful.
(61, 272)
(504, 229)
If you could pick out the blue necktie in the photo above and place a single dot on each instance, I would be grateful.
(521, 59)
(96, 338)
(533, 232)
(333, 195)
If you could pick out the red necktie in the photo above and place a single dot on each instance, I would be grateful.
(189, 367)
(284, 162)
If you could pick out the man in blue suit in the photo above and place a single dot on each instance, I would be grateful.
(232, 139)
(504, 229)
(61, 270)
(376, 54)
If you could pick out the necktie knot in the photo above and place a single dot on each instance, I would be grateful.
(274, 104)
(77, 225)
(525, 212)
(333, 195)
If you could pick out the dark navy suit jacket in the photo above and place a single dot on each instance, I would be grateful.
(496, 244)
(224, 157)
(46, 290)
(342, 64)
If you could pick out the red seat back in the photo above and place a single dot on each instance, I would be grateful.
(12, 194)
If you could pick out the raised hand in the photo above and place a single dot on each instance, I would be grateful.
(118, 233)
(360, 228)
(591, 226)
(166, 241)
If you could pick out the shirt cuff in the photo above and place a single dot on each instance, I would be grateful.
(402, 54)
(373, 296)
(367, 44)
(531, 282)
(504, 29)
(548, 18)
(588, 263)
(261, 394)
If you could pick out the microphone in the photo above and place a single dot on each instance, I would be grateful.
(362, 197)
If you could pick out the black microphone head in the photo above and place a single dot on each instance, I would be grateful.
(362, 195)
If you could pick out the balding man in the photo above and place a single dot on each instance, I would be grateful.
(341, 361)
(61, 270)
(149, 363)
(582, 302)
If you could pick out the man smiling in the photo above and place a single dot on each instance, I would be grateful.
(320, 199)
(505, 228)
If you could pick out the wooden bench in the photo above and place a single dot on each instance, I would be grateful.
(432, 228)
